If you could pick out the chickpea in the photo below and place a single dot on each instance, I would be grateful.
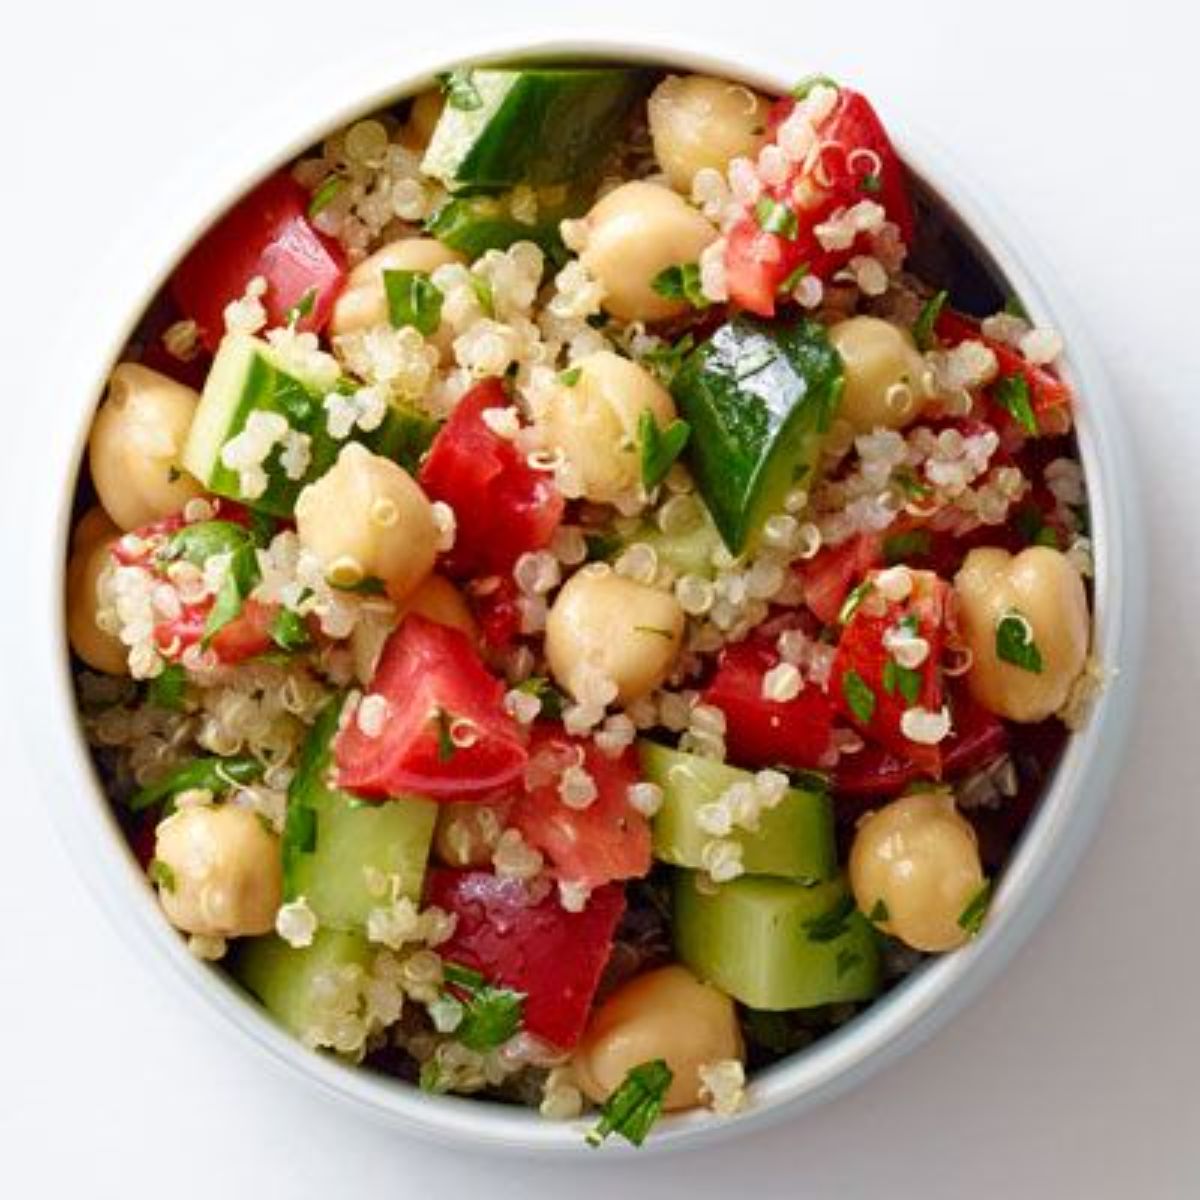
(439, 600)
(1042, 588)
(90, 559)
(225, 877)
(595, 422)
(633, 233)
(697, 121)
(886, 377)
(466, 834)
(423, 117)
(604, 625)
(919, 857)
(136, 446)
(363, 302)
(367, 517)
(667, 1014)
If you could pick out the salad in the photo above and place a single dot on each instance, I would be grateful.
(579, 583)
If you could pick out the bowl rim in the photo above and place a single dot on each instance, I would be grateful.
(1033, 878)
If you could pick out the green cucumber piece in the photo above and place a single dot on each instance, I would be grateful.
(246, 377)
(473, 225)
(795, 839)
(286, 981)
(775, 944)
(536, 125)
(335, 845)
(759, 396)
(689, 552)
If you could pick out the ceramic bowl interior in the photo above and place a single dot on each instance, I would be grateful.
(968, 245)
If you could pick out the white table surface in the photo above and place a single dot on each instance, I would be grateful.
(1076, 1075)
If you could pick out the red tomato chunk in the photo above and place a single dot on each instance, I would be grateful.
(532, 945)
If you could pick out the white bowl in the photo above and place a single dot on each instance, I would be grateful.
(1036, 872)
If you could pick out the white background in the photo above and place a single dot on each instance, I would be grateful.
(1076, 1075)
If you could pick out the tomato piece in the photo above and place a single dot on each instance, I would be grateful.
(436, 686)
(977, 738)
(829, 576)
(1046, 390)
(591, 846)
(266, 233)
(861, 667)
(504, 507)
(767, 733)
(520, 938)
(856, 161)
(496, 610)
(248, 634)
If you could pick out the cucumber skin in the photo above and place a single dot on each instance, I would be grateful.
(759, 397)
(795, 839)
(535, 126)
(475, 224)
(280, 977)
(246, 367)
(330, 837)
(749, 940)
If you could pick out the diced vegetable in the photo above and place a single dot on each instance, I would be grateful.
(474, 224)
(793, 839)
(758, 398)
(291, 983)
(829, 577)
(505, 506)
(590, 843)
(445, 733)
(343, 856)
(774, 944)
(534, 946)
(268, 235)
(761, 732)
(536, 125)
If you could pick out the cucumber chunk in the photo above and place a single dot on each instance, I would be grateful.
(287, 981)
(474, 224)
(759, 397)
(774, 944)
(247, 377)
(537, 125)
(346, 856)
(795, 839)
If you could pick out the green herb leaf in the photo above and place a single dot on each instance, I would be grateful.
(900, 679)
(971, 917)
(871, 184)
(806, 85)
(655, 630)
(484, 296)
(431, 1078)
(859, 696)
(553, 701)
(902, 547)
(413, 299)
(199, 542)
(630, 1112)
(216, 775)
(370, 586)
(445, 743)
(302, 308)
(323, 196)
(879, 912)
(660, 447)
(459, 87)
(601, 546)
(167, 688)
(666, 361)
(681, 282)
(793, 277)
(1014, 308)
(240, 580)
(289, 632)
(161, 874)
(491, 1016)
(852, 602)
(927, 318)
(830, 926)
(906, 480)
(464, 977)
(570, 377)
(775, 217)
(1015, 644)
(809, 781)
(299, 831)
(1012, 394)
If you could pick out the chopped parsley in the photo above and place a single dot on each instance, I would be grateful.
(971, 917)
(490, 1015)
(302, 308)
(1012, 394)
(161, 874)
(806, 85)
(413, 299)
(299, 830)
(553, 701)
(659, 448)
(460, 90)
(900, 679)
(906, 480)
(445, 742)
(570, 377)
(793, 277)
(288, 631)
(631, 1111)
(166, 689)
(601, 546)
(830, 925)
(774, 217)
(923, 327)
(369, 586)
(681, 282)
(871, 184)
(654, 629)
(666, 361)
(323, 197)
(212, 774)
(1014, 308)
(240, 580)
(431, 1078)
(859, 696)
(879, 912)
(901, 547)
(199, 542)
(852, 602)
(1015, 644)
(484, 296)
